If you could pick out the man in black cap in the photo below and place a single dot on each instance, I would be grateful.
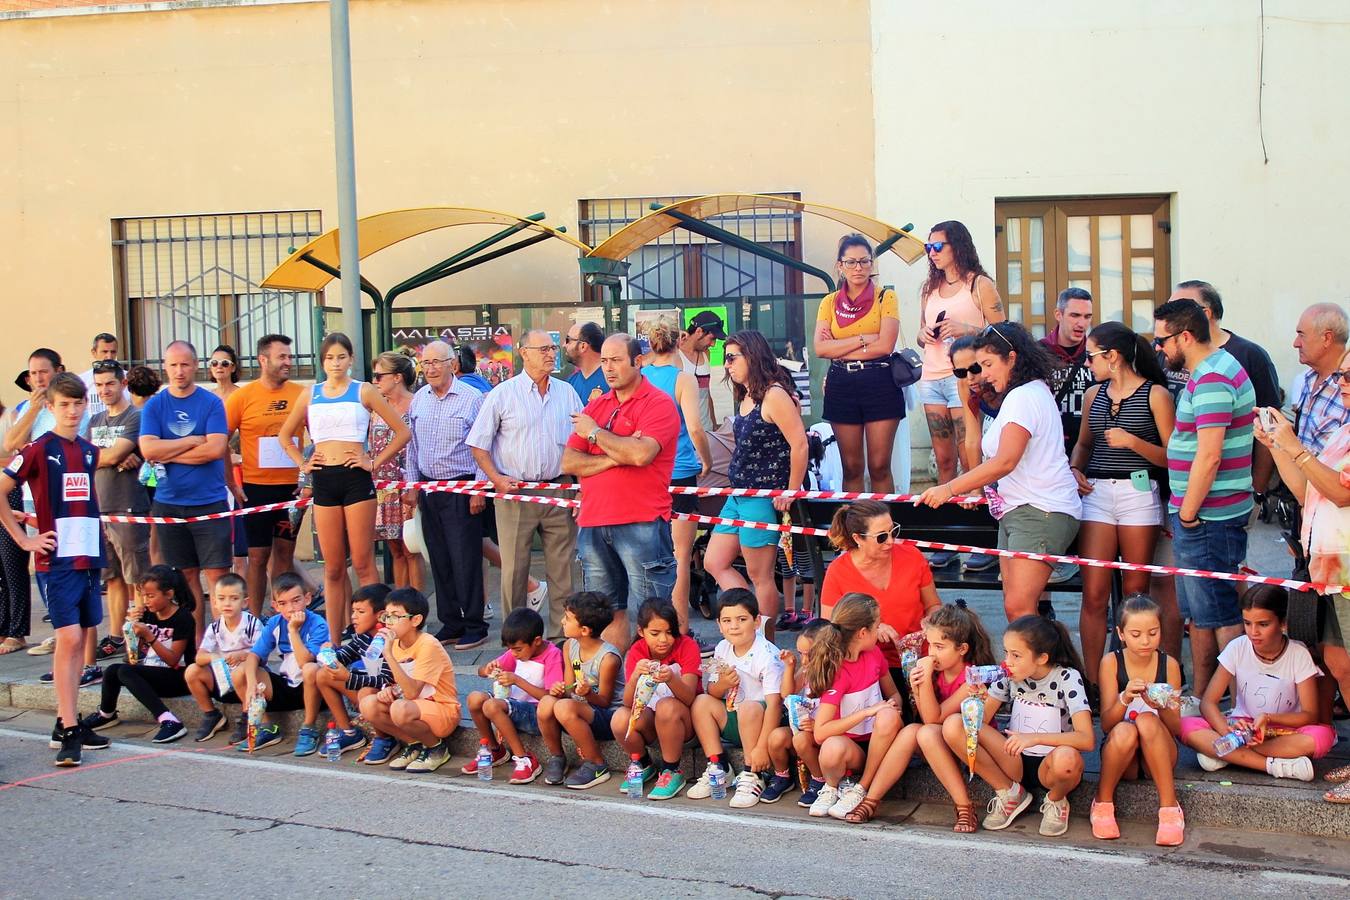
(704, 329)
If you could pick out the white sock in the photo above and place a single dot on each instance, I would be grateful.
(167, 717)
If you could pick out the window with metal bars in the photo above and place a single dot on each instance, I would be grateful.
(198, 278)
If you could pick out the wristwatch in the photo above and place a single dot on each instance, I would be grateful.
(590, 438)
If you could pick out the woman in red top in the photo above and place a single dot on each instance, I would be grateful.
(871, 562)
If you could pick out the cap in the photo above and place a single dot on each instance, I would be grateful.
(22, 382)
(710, 322)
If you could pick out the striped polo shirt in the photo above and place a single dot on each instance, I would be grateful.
(1218, 395)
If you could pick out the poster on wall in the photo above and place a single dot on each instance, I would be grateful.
(640, 321)
(492, 344)
(715, 351)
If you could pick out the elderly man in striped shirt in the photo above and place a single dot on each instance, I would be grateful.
(519, 436)
(440, 417)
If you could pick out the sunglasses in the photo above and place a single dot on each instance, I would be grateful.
(990, 329)
(1160, 341)
(220, 364)
(934, 247)
(730, 358)
(1093, 354)
(972, 369)
(107, 365)
(1343, 375)
(882, 537)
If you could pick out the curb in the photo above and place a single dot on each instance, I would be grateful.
(1227, 799)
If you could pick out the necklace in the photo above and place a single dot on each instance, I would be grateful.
(1284, 643)
(953, 280)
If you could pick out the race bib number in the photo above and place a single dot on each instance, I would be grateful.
(1034, 718)
(75, 487)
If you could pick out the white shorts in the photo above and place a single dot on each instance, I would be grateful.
(1116, 501)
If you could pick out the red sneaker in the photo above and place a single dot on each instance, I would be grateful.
(527, 769)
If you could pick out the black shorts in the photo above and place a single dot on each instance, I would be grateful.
(264, 528)
(1031, 773)
(284, 697)
(684, 503)
(342, 486)
(862, 396)
(198, 545)
(600, 728)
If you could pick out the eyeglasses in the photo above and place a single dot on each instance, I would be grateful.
(394, 617)
(730, 358)
(220, 363)
(570, 340)
(1160, 341)
(547, 348)
(107, 365)
(934, 247)
(434, 363)
(972, 369)
(1093, 354)
(882, 537)
(856, 263)
(990, 329)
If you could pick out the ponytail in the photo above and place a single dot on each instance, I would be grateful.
(1050, 638)
(171, 581)
(852, 614)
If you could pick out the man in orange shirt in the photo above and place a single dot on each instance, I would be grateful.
(257, 412)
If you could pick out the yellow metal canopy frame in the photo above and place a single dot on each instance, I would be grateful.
(375, 233)
(628, 239)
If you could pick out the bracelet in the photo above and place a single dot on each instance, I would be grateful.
(1302, 458)
(1187, 521)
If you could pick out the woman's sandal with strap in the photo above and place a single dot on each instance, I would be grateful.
(1339, 794)
(966, 823)
(1339, 775)
(863, 812)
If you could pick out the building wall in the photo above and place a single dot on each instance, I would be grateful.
(521, 106)
(991, 100)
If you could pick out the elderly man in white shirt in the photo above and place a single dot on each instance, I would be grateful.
(518, 436)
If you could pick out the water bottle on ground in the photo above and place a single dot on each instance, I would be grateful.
(484, 761)
(633, 783)
(332, 746)
(717, 781)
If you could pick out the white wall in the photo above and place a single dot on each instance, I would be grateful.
(977, 100)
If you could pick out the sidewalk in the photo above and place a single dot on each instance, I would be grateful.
(1230, 798)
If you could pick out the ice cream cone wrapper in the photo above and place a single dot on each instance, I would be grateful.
(642, 695)
(972, 720)
(786, 540)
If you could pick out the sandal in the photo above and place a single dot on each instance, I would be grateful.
(12, 645)
(1338, 776)
(863, 812)
(966, 823)
(1339, 794)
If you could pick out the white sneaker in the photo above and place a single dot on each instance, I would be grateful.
(1211, 763)
(44, 648)
(536, 598)
(1005, 806)
(1299, 767)
(827, 797)
(748, 788)
(850, 795)
(701, 789)
(1054, 817)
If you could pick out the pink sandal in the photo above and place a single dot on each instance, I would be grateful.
(1103, 818)
(1171, 827)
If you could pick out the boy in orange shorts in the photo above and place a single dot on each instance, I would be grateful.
(421, 708)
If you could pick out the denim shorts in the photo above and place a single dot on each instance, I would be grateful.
(524, 715)
(628, 563)
(1219, 546)
(939, 392)
(750, 509)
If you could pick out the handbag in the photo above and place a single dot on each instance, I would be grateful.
(906, 367)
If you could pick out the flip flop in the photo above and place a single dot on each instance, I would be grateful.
(12, 645)
(1339, 794)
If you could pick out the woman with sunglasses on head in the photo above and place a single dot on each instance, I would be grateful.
(770, 453)
(1119, 461)
(1321, 484)
(856, 330)
(393, 375)
(958, 299)
(1024, 456)
(337, 413)
(871, 562)
(223, 368)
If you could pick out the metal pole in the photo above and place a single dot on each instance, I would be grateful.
(344, 147)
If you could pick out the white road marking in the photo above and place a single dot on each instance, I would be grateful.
(1308, 878)
(911, 838)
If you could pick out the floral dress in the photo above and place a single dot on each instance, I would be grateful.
(1326, 529)
(388, 506)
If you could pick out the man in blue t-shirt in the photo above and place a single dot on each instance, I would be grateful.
(183, 430)
(582, 346)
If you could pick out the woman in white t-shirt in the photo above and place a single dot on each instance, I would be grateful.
(1025, 464)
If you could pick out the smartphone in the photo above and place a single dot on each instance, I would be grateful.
(937, 323)
(1267, 419)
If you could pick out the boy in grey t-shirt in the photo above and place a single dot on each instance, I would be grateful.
(120, 492)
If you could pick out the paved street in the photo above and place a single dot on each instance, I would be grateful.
(208, 823)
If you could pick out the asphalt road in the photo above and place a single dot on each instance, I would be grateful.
(205, 823)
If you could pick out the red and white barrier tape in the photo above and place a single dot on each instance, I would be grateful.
(696, 491)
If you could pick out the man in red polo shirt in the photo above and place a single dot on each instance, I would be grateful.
(623, 450)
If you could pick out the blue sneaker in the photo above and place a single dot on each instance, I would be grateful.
(812, 791)
(380, 750)
(351, 740)
(306, 742)
(778, 786)
(267, 736)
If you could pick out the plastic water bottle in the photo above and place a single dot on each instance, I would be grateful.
(633, 783)
(1230, 742)
(372, 658)
(717, 781)
(484, 761)
(327, 657)
(332, 746)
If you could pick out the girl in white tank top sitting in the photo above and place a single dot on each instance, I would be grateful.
(336, 412)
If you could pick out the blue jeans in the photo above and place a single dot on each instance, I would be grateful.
(628, 563)
(1219, 546)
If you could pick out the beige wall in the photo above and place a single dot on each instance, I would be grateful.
(521, 106)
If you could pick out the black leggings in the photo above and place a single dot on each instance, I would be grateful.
(16, 596)
(146, 683)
